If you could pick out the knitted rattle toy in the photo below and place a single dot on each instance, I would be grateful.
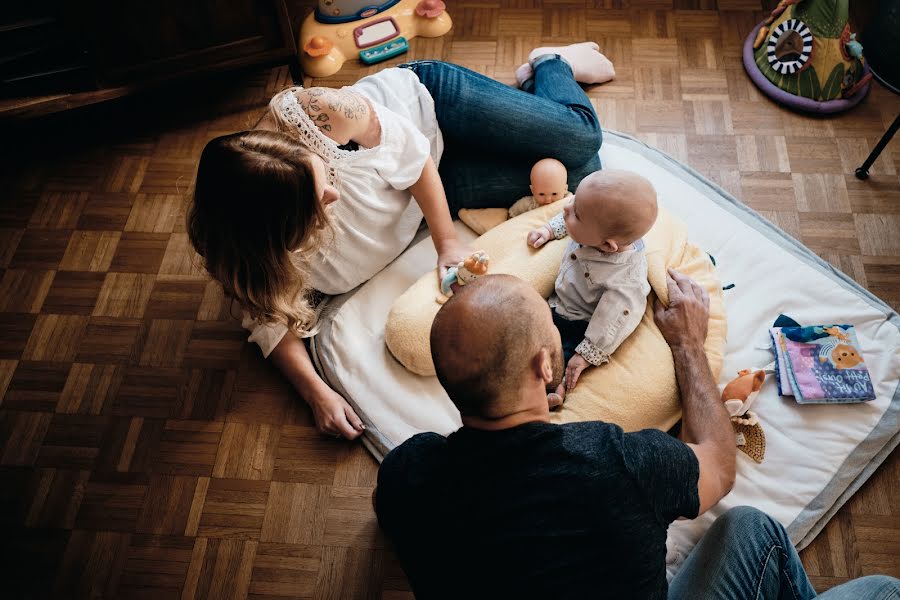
(465, 272)
(739, 395)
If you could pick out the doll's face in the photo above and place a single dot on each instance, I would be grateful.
(549, 181)
(546, 191)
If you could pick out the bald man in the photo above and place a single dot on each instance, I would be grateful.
(512, 506)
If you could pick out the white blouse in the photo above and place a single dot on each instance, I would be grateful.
(376, 217)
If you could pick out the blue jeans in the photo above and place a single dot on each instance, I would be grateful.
(747, 555)
(493, 133)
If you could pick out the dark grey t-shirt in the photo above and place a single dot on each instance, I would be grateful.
(540, 510)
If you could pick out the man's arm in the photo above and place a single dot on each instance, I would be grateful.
(706, 427)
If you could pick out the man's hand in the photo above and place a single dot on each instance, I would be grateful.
(576, 365)
(684, 323)
(539, 237)
(705, 425)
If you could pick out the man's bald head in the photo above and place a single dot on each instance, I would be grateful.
(484, 342)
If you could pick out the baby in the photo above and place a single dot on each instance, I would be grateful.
(601, 290)
(548, 184)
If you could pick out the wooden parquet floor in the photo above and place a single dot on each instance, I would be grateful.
(146, 450)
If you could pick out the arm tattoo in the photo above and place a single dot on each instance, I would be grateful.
(338, 101)
(310, 104)
(348, 103)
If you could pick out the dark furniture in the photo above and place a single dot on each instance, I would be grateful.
(60, 55)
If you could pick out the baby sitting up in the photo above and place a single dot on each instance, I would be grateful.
(601, 290)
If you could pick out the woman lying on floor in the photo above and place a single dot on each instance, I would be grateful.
(266, 217)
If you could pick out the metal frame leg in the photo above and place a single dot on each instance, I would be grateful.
(863, 171)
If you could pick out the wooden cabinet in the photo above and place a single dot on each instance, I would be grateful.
(65, 55)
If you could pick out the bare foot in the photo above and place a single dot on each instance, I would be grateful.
(588, 65)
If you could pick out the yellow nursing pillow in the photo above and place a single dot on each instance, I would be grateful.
(636, 388)
(480, 220)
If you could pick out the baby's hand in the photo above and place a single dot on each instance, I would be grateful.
(554, 401)
(576, 366)
(539, 237)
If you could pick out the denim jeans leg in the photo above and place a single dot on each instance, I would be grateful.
(482, 181)
(494, 134)
(745, 555)
(873, 587)
(479, 114)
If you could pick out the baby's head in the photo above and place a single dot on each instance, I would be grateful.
(611, 210)
(549, 181)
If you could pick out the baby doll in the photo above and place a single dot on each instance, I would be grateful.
(601, 290)
(548, 184)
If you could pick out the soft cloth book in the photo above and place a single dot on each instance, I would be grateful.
(782, 377)
(821, 364)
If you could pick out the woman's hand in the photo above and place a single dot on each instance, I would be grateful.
(451, 252)
(332, 413)
(334, 416)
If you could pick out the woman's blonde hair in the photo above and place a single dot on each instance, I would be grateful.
(255, 219)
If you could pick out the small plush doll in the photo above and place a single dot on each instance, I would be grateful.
(465, 272)
(739, 395)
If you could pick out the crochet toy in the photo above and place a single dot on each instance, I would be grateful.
(739, 395)
(804, 56)
(465, 272)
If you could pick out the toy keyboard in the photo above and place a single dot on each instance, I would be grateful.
(390, 49)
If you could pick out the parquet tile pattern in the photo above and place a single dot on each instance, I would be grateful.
(146, 450)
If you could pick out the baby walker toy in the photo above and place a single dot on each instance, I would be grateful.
(339, 30)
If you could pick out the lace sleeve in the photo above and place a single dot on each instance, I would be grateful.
(308, 133)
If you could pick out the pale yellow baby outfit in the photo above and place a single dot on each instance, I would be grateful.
(607, 289)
